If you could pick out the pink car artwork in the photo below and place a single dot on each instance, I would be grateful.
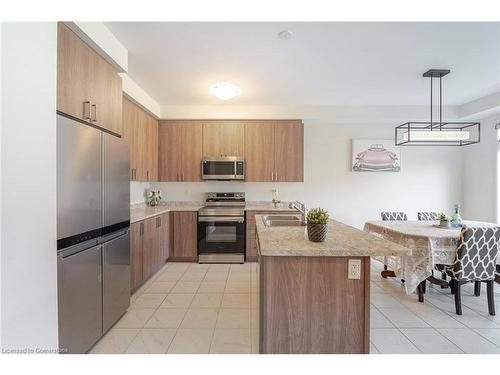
(376, 158)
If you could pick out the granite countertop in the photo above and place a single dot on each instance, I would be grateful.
(267, 206)
(343, 240)
(140, 211)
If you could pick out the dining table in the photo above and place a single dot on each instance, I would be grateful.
(430, 244)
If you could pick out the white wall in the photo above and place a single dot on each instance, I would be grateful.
(480, 174)
(430, 178)
(28, 223)
(137, 191)
(135, 93)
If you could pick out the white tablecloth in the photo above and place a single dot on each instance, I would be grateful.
(430, 246)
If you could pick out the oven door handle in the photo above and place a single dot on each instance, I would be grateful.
(219, 219)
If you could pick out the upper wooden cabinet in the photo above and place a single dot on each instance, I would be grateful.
(180, 150)
(152, 148)
(223, 138)
(274, 151)
(141, 130)
(289, 151)
(259, 156)
(88, 87)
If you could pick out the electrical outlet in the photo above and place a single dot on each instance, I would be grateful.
(354, 269)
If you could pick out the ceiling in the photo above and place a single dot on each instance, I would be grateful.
(323, 64)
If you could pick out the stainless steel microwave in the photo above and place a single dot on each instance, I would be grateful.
(223, 168)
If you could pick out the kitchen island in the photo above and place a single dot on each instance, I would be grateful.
(308, 301)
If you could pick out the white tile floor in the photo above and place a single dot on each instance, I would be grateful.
(193, 308)
(190, 308)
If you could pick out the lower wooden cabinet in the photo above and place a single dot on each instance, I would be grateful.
(136, 230)
(165, 237)
(251, 241)
(185, 239)
(149, 248)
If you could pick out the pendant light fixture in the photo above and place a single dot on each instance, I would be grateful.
(437, 133)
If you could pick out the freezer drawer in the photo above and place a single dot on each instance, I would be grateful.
(116, 183)
(79, 299)
(116, 278)
(79, 196)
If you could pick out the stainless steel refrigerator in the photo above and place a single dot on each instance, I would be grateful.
(93, 218)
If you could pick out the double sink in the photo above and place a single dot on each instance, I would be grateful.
(283, 221)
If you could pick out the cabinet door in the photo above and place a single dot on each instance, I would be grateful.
(223, 138)
(289, 151)
(165, 237)
(135, 255)
(185, 243)
(259, 151)
(130, 134)
(152, 148)
(151, 247)
(191, 151)
(73, 74)
(142, 144)
(169, 150)
(106, 86)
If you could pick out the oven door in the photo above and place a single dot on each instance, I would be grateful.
(218, 169)
(221, 239)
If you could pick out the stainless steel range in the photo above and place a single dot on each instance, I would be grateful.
(221, 228)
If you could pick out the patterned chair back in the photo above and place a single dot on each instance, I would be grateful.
(426, 216)
(393, 216)
(477, 253)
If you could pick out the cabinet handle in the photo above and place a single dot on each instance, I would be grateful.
(272, 176)
(182, 178)
(93, 109)
(86, 109)
(177, 176)
(147, 174)
(276, 176)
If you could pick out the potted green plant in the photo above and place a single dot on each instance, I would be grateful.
(444, 220)
(317, 224)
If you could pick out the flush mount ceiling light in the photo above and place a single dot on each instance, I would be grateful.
(437, 133)
(224, 90)
(285, 35)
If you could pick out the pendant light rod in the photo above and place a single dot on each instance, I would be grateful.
(431, 100)
(440, 102)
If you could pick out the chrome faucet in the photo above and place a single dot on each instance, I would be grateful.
(301, 207)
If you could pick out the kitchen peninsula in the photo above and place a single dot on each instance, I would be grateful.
(308, 301)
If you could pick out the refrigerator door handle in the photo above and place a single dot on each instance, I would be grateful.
(86, 109)
(93, 109)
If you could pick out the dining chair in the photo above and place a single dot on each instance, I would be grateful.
(393, 216)
(428, 216)
(475, 260)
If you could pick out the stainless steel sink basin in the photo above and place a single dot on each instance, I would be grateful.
(283, 221)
